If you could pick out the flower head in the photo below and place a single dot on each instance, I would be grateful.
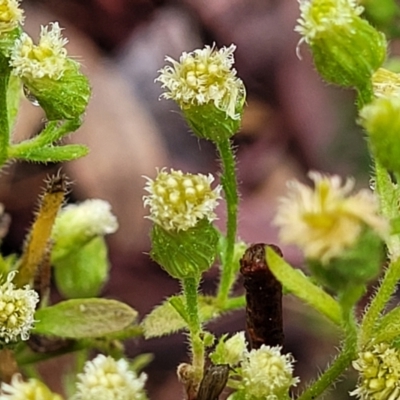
(346, 48)
(320, 16)
(267, 374)
(17, 308)
(106, 379)
(230, 351)
(30, 390)
(91, 217)
(379, 373)
(179, 201)
(202, 77)
(10, 15)
(325, 221)
(47, 59)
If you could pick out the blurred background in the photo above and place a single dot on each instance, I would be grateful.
(293, 123)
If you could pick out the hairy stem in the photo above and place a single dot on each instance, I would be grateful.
(229, 184)
(4, 123)
(190, 287)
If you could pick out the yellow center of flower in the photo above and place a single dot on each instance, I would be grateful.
(318, 16)
(178, 201)
(10, 15)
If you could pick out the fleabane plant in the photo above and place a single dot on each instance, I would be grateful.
(182, 209)
(346, 49)
(47, 73)
(17, 308)
(49, 77)
(105, 378)
(11, 15)
(206, 88)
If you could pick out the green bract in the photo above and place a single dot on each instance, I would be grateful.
(185, 254)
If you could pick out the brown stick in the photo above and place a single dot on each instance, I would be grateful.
(263, 298)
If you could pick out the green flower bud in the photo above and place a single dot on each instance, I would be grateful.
(381, 119)
(208, 122)
(79, 253)
(230, 351)
(49, 76)
(346, 48)
(184, 242)
(355, 266)
(206, 88)
(82, 274)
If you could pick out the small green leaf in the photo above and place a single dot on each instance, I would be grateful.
(165, 319)
(84, 318)
(298, 284)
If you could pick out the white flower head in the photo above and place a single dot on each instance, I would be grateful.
(47, 59)
(11, 15)
(30, 390)
(326, 220)
(17, 308)
(319, 16)
(379, 373)
(92, 217)
(104, 378)
(178, 201)
(202, 77)
(267, 374)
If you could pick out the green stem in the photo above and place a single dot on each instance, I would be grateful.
(388, 201)
(53, 131)
(388, 195)
(190, 288)
(339, 365)
(379, 302)
(229, 184)
(4, 123)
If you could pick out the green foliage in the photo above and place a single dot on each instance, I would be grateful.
(296, 283)
(83, 273)
(84, 318)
